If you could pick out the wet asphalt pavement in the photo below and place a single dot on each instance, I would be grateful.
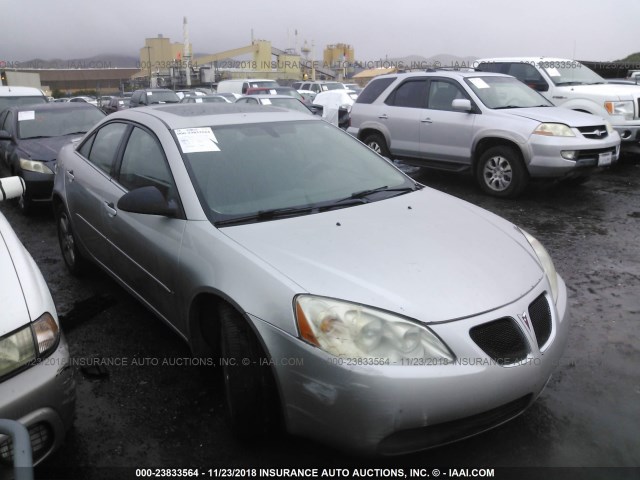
(157, 410)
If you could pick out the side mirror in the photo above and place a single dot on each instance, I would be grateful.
(316, 109)
(461, 105)
(147, 201)
(11, 187)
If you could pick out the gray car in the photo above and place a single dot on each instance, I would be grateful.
(490, 125)
(343, 300)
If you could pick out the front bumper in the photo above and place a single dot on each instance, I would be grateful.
(38, 186)
(396, 409)
(546, 161)
(42, 398)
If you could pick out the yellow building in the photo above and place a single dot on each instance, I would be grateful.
(159, 54)
(335, 56)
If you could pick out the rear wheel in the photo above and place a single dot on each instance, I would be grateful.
(250, 393)
(377, 143)
(500, 172)
(73, 259)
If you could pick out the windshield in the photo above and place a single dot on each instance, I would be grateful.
(505, 92)
(260, 167)
(571, 73)
(263, 83)
(56, 122)
(162, 97)
(332, 86)
(6, 102)
(290, 103)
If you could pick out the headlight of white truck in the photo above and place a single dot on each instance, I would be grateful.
(624, 108)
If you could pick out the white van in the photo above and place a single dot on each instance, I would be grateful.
(239, 86)
(10, 96)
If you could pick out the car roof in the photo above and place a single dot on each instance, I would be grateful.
(51, 106)
(270, 97)
(444, 73)
(20, 91)
(186, 115)
(531, 60)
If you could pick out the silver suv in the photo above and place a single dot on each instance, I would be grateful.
(491, 125)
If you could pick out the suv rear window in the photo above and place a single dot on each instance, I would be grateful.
(374, 89)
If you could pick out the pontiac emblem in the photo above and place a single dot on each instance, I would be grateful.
(525, 319)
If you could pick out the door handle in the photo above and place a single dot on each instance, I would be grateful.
(70, 175)
(383, 116)
(111, 211)
(426, 120)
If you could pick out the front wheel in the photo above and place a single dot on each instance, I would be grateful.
(250, 393)
(501, 172)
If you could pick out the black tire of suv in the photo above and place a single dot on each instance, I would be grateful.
(377, 143)
(250, 394)
(510, 176)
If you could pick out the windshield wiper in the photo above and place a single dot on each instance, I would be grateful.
(264, 215)
(365, 193)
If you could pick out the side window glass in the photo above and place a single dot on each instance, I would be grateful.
(442, 93)
(85, 148)
(105, 146)
(410, 94)
(374, 89)
(144, 164)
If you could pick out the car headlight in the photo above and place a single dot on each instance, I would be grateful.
(35, 166)
(624, 108)
(545, 262)
(554, 130)
(350, 330)
(33, 341)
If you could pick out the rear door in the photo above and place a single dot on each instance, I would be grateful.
(401, 114)
(89, 188)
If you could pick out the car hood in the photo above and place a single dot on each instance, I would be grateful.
(557, 115)
(608, 90)
(14, 309)
(425, 255)
(45, 149)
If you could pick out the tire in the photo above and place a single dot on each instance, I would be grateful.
(250, 394)
(500, 172)
(377, 143)
(73, 259)
(25, 205)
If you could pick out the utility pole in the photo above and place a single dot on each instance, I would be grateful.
(148, 47)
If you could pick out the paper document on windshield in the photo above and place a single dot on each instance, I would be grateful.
(195, 140)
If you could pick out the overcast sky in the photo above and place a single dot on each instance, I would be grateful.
(580, 29)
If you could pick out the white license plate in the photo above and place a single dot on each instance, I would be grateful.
(604, 159)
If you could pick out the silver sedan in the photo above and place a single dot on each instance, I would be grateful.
(343, 300)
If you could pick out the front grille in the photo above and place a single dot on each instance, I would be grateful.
(406, 441)
(502, 340)
(597, 132)
(594, 152)
(41, 437)
(540, 315)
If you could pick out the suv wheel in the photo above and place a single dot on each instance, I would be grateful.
(377, 143)
(501, 172)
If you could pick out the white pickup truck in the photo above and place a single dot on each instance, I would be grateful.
(569, 84)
